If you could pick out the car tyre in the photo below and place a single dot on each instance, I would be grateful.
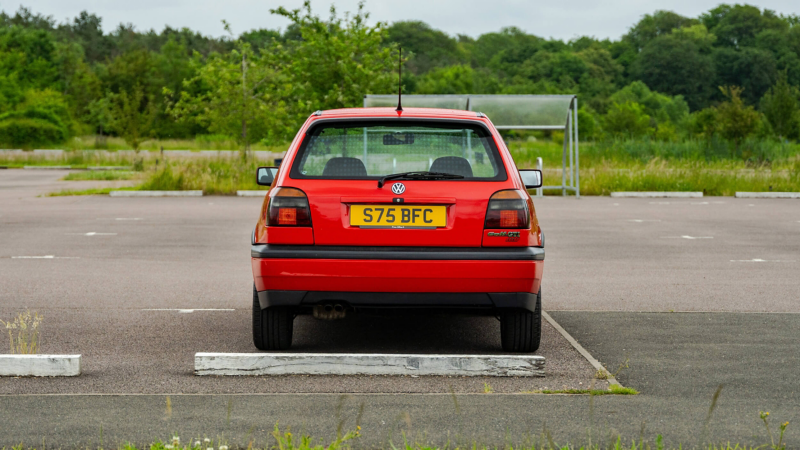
(272, 327)
(521, 329)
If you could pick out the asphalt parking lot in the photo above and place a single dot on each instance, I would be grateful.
(693, 293)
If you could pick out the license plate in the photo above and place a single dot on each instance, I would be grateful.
(391, 216)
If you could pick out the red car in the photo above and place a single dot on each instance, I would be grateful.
(380, 208)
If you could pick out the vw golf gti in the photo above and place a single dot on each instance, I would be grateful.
(419, 209)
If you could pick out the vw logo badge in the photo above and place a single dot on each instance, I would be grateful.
(398, 188)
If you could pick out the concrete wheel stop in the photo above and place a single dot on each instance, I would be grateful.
(40, 365)
(368, 364)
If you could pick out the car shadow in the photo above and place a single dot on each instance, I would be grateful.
(401, 332)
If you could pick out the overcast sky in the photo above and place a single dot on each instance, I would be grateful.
(558, 19)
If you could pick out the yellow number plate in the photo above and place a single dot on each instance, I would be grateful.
(392, 216)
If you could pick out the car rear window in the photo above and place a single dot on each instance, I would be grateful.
(372, 149)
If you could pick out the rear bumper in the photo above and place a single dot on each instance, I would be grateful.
(440, 300)
(267, 251)
(398, 276)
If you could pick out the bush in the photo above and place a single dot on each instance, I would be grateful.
(28, 133)
(627, 120)
(31, 127)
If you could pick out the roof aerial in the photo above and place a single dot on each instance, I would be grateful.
(400, 82)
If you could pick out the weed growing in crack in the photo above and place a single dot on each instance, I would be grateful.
(23, 333)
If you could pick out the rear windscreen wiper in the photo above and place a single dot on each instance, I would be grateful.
(419, 175)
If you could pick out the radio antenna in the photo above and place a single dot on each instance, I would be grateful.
(400, 82)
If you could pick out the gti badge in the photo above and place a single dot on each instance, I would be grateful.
(398, 188)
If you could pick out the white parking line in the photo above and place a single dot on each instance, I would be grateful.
(120, 218)
(188, 311)
(684, 203)
(45, 257)
(762, 260)
(91, 233)
(643, 220)
(687, 237)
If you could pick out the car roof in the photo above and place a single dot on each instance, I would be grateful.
(406, 112)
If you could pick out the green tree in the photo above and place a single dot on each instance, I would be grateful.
(132, 114)
(172, 64)
(654, 25)
(238, 93)
(100, 119)
(603, 76)
(589, 126)
(427, 48)
(336, 62)
(86, 30)
(737, 121)
(502, 50)
(261, 39)
(753, 69)
(458, 79)
(80, 84)
(704, 123)
(28, 57)
(661, 108)
(778, 43)
(627, 120)
(780, 107)
(676, 66)
(737, 26)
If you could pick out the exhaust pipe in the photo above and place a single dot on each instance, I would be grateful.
(329, 311)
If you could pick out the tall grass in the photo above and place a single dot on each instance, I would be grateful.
(660, 175)
(76, 159)
(221, 176)
(715, 168)
(200, 142)
(287, 440)
(625, 153)
(23, 333)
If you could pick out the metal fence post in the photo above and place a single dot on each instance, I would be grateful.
(577, 154)
(564, 160)
(571, 149)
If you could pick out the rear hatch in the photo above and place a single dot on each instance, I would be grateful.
(452, 169)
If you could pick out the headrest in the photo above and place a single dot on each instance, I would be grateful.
(452, 164)
(344, 167)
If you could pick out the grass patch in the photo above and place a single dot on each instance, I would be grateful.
(348, 437)
(102, 175)
(664, 166)
(214, 176)
(613, 389)
(287, 440)
(23, 333)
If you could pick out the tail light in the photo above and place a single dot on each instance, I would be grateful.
(288, 207)
(508, 209)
